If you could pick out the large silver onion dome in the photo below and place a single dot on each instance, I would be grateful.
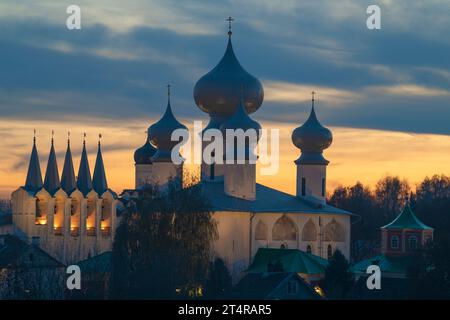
(312, 138)
(160, 134)
(144, 154)
(218, 91)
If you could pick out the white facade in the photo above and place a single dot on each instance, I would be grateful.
(240, 180)
(157, 173)
(241, 234)
(311, 182)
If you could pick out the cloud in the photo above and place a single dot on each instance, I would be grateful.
(275, 91)
(410, 90)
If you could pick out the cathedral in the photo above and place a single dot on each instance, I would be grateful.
(74, 217)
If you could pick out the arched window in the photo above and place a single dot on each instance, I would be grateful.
(309, 232)
(284, 229)
(308, 249)
(41, 212)
(329, 252)
(261, 231)
(75, 216)
(412, 242)
(394, 242)
(58, 218)
(90, 216)
(334, 231)
(105, 220)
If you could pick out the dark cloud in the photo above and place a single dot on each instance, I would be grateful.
(47, 72)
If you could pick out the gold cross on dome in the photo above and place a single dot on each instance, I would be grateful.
(230, 19)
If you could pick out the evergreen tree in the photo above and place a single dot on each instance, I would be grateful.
(338, 278)
(218, 283)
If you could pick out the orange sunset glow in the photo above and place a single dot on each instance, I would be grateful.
(355, 155)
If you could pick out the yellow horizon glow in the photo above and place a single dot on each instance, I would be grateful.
(363, 155)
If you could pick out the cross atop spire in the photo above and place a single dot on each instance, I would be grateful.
(53, 135)
(230, 19)
(99, 138)
(84, 138)
(34, 135)
(168, 90)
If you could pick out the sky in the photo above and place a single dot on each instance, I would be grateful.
(385, 94)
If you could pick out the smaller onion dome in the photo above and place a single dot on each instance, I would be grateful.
(217, 92)
(312, 138)
(241, 120)
(144, 154)
(160, 134)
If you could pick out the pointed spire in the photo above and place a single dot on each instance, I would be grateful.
(312, 115)
(68, 183)
(34, 176)
(51, 181)
(99, 181)
(84, 182)
(168, 111)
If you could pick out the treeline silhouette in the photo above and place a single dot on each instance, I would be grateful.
(378, 206)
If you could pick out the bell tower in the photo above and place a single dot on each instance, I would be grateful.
(312, 138)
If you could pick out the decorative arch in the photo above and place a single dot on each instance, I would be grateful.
(42, 206)
(309, 232)
(261, 231)
(334, 231)
(284, 229)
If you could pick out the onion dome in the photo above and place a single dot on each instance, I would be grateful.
(241, 120)
(218, 91)
(160, 133)
(144, 154)
(51, 181)
(68, 183)
(99, 182)
(84, 181)
(312, 138)
(34, 176)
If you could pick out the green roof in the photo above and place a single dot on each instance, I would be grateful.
(100, 263)
(292, 260)
(407, 220)
(398, 265)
